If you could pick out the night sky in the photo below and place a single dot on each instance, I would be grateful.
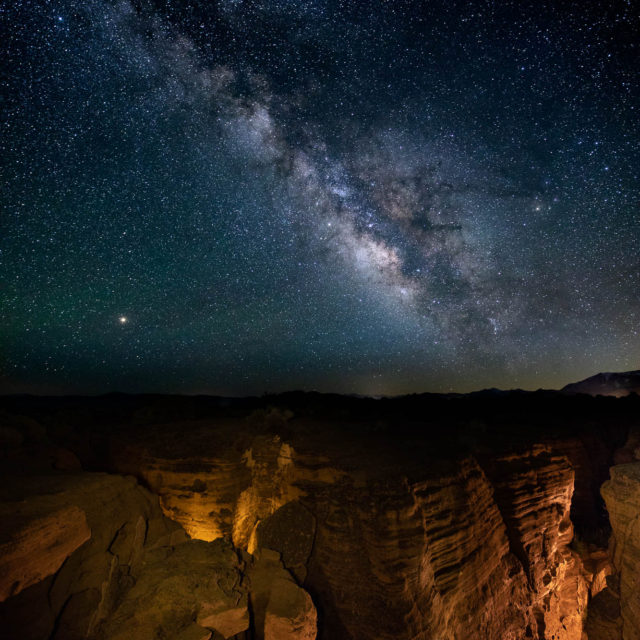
(241, 196)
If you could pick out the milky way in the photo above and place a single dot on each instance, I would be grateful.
(237, 197)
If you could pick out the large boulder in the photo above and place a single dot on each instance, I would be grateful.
(188, 591)
(282, 610)
(36, 537)
(290, 531)
(72, 544)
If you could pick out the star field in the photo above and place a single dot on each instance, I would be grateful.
(242, 196)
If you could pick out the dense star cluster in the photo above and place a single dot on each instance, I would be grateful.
(378, 197)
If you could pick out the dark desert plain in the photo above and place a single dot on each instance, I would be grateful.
(319, 320)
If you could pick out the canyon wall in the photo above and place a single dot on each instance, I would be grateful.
(615, 612)
(622, 497)
(263, 526)
(479, 541)
(91, 556)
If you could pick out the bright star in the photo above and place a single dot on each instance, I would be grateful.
(123, 319)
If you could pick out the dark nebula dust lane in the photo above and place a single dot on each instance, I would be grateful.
(244, 196)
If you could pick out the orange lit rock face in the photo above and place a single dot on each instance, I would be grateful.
(37, 537)
(435, 559)
(482, 545)
(534, 493)
(444, 555)
(596, 566)
(622, 497)
(111, 567)
(271, 463)
(614, 613)
(226, 495)
(201, 494)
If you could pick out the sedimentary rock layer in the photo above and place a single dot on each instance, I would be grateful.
(478, 543)
(622, 497)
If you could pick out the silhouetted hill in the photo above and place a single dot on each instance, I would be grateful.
(607, 384)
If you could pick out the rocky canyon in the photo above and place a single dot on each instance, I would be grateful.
(498, 516)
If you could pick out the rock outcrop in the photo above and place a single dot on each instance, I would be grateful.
(81, 535)
(429, 552)
(188, 591)
(91, 556)
(282, 610)
(225, 495)
(451, 552)
(38, 536)
(432, 556)
(615, 612)
(412, 531)
(534, 491)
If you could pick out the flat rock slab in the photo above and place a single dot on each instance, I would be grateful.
(36, 536)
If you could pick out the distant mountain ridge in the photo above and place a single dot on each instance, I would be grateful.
(607, 384)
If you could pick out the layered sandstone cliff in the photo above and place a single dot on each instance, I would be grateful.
(473, 542)
(534, 491)
(615, 613)
(622, 497)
